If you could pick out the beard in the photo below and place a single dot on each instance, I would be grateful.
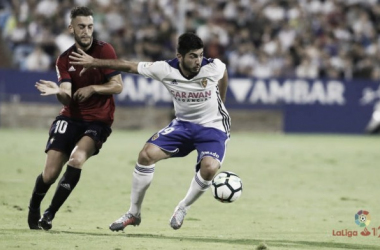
(82, 44)
(192, 70)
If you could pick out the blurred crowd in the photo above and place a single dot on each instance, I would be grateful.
(338, 39)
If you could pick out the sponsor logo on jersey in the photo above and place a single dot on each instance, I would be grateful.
(181, 94)
(174, 82)
(72, 69)
(214, 154)
(191, 96)
(204, 82)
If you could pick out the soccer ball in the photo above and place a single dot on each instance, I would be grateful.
(226, 187)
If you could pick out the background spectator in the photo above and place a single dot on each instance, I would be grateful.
(337, 39)
(38, 60)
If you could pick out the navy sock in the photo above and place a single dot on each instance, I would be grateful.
(66, 185)
(39, 192)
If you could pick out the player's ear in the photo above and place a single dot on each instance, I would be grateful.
(71, 29)
(179, 56)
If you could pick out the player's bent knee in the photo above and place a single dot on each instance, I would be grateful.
(210, 163)
(151, 154)
(77, 160)
(146, 157)
(49, 177)
(209, 167)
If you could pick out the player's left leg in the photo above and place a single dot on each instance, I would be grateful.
(163, 144)
(211, 146)
(199, 184)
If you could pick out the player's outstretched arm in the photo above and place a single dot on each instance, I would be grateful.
(87, 61)
(222, 84)
(63, 92)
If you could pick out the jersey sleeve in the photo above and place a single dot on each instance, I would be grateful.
(155, 70)
(220, 68)
(62, 70)
(108, 52)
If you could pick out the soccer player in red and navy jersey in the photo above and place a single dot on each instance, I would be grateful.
(84, 122)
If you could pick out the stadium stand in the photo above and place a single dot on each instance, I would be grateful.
(336, 39)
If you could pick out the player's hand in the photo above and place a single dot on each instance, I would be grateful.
(47, 87)
(83, 94)
(81, 58)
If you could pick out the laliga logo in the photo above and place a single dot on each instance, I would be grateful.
(362, 219)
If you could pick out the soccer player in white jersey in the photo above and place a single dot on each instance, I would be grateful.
(198, 87)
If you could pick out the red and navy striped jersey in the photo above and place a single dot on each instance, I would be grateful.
(97, 107)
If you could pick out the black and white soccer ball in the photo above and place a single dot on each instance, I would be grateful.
(226, 187)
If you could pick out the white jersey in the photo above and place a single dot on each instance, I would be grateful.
(196, 100)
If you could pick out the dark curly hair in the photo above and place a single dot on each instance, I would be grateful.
(188, 41)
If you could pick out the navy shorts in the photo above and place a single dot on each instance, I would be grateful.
(65, 133)
(180, 138)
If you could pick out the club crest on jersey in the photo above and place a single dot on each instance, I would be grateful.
(204, 82)
(155, 136)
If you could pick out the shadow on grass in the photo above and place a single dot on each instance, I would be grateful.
(250, 242)
(243, 242)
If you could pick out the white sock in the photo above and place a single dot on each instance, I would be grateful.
(142, 177)
(197, 187)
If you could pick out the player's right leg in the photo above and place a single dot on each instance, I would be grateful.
(142, 178)
(162, 145)
(53, 166)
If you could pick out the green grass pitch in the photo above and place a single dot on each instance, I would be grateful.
(299, 192)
